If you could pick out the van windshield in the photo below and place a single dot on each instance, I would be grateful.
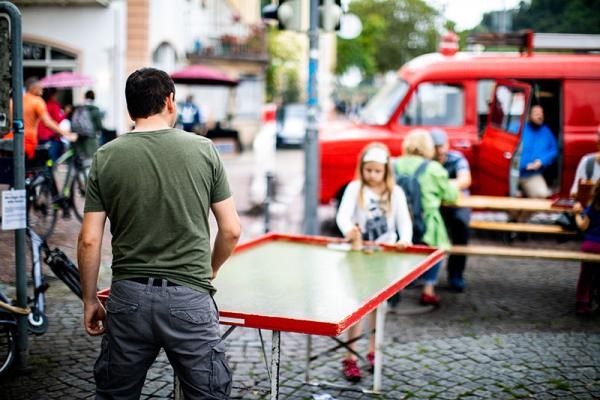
(381, 107)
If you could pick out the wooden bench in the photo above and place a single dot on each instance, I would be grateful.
(520, 227)
(507, 204)
(516, 252)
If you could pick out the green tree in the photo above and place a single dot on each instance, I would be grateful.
(282, 81)
(393, 33)
(554, 16)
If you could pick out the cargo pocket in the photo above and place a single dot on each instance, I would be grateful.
(189, 316)
(116, 305)
(220, 379)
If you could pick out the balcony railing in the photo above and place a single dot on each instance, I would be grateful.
(248, 47)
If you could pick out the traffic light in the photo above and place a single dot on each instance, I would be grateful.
(288, 14)
(330, 15)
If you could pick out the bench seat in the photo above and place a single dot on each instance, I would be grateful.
(520, 227)
(516, 252)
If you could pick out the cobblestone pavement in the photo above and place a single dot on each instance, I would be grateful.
(512, 334)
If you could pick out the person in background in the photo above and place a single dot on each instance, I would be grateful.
(456, 218)
(189, 116)
(588, 284)
(87, 119)
(34, 112)
(157, 186)
(46, 135)
(373, 208)
(539, 150)
(436, 188)
(588, 169)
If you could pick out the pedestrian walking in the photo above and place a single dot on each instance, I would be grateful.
(47, 135)
(34, 112)
(157, 185)
(373, 208)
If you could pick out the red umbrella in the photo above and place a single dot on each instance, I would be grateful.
(202, 75)
(66, 80)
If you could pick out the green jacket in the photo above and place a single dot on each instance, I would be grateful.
(435, 189)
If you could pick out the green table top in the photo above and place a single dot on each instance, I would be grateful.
(307, 282)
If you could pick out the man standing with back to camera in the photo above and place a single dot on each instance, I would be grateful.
(156, 185)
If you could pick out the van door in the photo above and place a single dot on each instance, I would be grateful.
(498, 158)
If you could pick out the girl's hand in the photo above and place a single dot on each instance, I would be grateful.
(354, 233)
(401, 245)
(578, 207)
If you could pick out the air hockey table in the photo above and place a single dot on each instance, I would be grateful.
(315, 286)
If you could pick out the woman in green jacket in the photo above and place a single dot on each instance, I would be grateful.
(436, 188)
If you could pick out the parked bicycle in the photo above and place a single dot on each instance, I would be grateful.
(37, 319)
(44, 200)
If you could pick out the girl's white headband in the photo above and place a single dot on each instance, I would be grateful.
(376, 154)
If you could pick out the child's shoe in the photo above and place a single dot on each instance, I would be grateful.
(351, 370)
(371, 359)
(429, 300)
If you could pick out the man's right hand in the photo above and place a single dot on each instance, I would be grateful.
(94, 316)
(71, 136)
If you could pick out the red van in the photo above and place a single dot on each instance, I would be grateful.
(456, 93)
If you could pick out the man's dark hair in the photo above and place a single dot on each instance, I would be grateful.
(29, 82)
(48, 93)
(146, 91)
(90, 95)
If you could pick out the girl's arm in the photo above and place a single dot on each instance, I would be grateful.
(345, 212)
(402, 217)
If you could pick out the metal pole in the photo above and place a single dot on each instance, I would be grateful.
(268, 200)
(311, 146)
(379, 330)
(275, 361)
(19, 171)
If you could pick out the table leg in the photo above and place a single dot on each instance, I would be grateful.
(379, 330)
(308, 351)
(275, 358)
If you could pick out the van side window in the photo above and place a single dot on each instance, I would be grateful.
(437, 104)
(484, 95)
(508, 109)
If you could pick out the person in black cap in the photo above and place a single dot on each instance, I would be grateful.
(456, 219)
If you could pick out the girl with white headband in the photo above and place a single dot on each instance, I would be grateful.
(373, 208)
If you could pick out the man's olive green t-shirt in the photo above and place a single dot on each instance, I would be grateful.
(156, 189)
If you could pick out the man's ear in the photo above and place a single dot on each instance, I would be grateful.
(170, 103)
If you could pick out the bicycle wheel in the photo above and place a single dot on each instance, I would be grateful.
(7, 346)
(41, 210)
(77, 198)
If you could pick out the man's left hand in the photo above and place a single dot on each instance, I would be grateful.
(94, 316)
(534, 166)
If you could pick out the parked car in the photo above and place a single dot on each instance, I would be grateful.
(292, 128)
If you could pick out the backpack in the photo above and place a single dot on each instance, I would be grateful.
(412, 190)
(82, 123)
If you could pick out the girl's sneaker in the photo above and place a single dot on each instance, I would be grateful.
(429, 300)
(371, 359)
(351, 370)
